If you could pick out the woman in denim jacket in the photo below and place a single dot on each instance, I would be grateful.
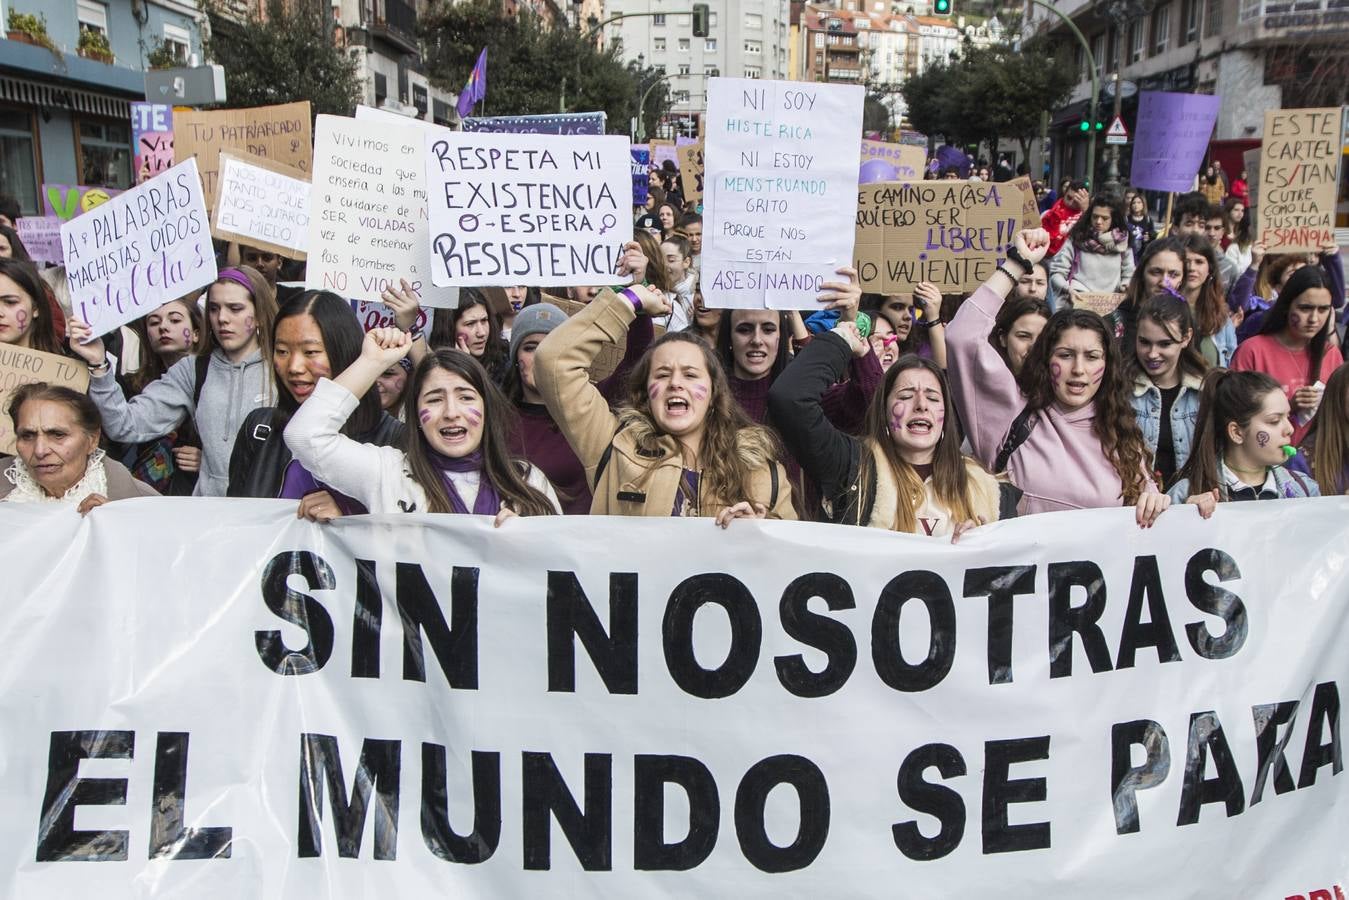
(1167, 372)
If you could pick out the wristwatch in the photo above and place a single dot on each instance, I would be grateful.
(1014, 255)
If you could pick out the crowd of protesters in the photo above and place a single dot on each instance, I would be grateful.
(1217, 377)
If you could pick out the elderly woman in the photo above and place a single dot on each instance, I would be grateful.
(56, 432)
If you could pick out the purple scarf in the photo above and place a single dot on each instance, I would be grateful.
(488, 502)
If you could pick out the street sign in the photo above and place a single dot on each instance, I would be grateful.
(1117, 133)
(196, 86)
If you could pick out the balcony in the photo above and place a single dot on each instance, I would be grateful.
(395, 21)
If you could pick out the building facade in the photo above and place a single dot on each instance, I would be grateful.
(381, 35)
(1254, 54)
(67, 85)
(746, 39)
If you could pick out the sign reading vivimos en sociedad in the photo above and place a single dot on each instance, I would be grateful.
(1299, 177)
(367, 214)
(139, 250)
(527, 209)
(952, 233)
(263, 205)
(780, 190)
(1063, 706)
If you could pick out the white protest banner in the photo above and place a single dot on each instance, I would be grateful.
(263, 205)
(1299, 178)
(1062, 706)
(41, 236)
(139, 250)
(780, 190)
(367, 214)
(527, 209)
(378, 315)
(20, 366)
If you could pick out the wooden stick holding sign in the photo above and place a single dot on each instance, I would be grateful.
(262, 204)
(20, 366)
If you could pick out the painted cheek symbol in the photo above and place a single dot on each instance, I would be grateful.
(21, 318)
(898, 410)
(249, 325)
(474, 416)
(698, 391)
(1096, 379)
(652, 390)
(1262, 438)
(187, 336)
(423, 415)
(1055, 372)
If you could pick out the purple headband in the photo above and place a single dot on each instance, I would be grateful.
(236, 276)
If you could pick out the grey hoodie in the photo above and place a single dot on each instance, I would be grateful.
(230, 392)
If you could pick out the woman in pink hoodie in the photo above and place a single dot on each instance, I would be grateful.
(1063, 429)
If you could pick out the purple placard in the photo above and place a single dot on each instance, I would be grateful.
(41, 236)
(1171, 135)
(641, 175)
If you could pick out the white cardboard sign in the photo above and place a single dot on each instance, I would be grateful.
(261, 206)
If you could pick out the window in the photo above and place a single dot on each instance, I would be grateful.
(819, 39)
(683, 45)
(710, 45)
(684, 69)
(178, 41)
(1135, 40)
(105, 154)
(18, 159)
(658, 20)
(1213, 18)
(753, 72)
(1250, 9)
(1189, 22)
(1098, 52)
(658, 44)
(712, 72)
(712, 20)
(659, 70)
(753, 48)
(1161, 29)
(1112, 58)
(92, 16)
(753, 20)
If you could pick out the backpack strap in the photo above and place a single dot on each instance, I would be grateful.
(1022, 426)
(203, 364)
(603, 464)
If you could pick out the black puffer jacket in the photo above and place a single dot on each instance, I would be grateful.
(260, 456)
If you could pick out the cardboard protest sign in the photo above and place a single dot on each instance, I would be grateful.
(41, 236)
(409, 706)
(1100, 303)
(527, 209)
(781, 190)
(66, 201)
(952, 233)
(662, 151)
(641, 175)
(20, 366)
(151, 139)
(280, 134)
(377, 315)
(1299, 178)
(367, 213)
(1171, 135)
(560, 123)
(139, 250)
(691, 171)
(262, 205)
(890, 162)
(1030, 208)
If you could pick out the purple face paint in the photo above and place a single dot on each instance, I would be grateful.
(898, 410)
(187, 337)
(698, 391)
(1262, 438)
(423, 415)
(21, 318)
(1099, 375)
(249, 325)
(474, 416)
(1055, 373)
(652, 390)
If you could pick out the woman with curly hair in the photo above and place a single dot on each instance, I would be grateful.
(680, 445)
(1063, 429)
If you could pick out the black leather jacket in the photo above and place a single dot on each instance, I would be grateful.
(260, 456)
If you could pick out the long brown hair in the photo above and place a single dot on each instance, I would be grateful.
(1210, 309)
(657, 275)
(42, 332)
(152, 364)
(1174, 316)
(507, 474)
(730, 439)
(1227, 396)
(263, 296)
(1114, 424)
(950, 477)
(1307, 278)
(1327, 440)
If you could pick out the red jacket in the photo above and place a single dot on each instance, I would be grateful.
(1058, 220)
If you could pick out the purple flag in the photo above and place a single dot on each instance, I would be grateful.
(476, 89)
(1171, 135)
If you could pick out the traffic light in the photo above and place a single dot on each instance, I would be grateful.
(941, 8)
(1085, 126)
(702, 18)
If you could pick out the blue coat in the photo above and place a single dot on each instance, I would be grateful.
(1147, 403)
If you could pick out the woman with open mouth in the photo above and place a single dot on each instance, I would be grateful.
(680, 445)
(906, 472)
(1239, 443)
(316, 334)
(455, 460)
(1063, 429)
(1167, 374)
(229, 377)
